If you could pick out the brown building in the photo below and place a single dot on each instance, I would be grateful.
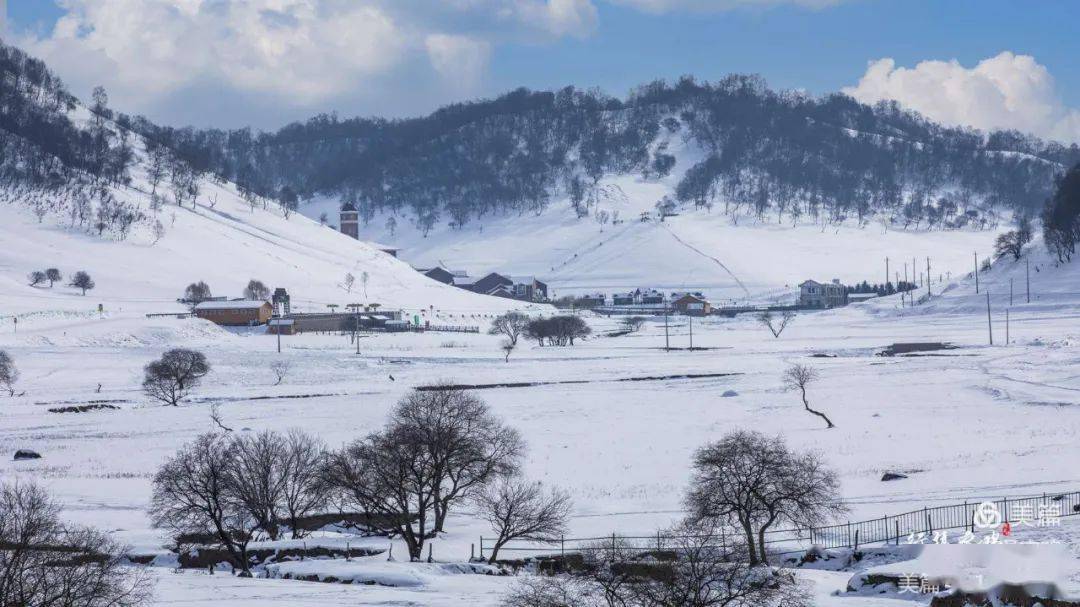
(692, 305)
(240, 313)
(350, 220)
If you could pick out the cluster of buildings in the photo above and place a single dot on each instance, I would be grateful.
(252, 313)
(522, 288)
(649, 300)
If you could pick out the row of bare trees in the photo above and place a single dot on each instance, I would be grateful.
(440, 448)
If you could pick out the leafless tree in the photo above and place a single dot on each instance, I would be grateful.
(255, 478)
(303, 491)
(280, 369)
(558, 591)
(389, 476)
(709, 570)
(633, 323)
(53, 275)
(9, 373)
(754, 482)
(256, 290)
(776, 327)
(511, 325)
(520, 510)
(170, 378)
(197, 292)
(81, 280)
(349, 281)
(466, 445)
(44, 562)
(36, 277)
(507, 347)
(798, 377)
(192, 498)
(215, 416)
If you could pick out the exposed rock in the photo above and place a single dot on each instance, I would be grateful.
(729, 393)
(23, 454)
(893, 476)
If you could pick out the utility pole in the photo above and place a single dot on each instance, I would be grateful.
(927, 279)
(976, 272)
(691, 318)
(989, 325)
(913, 266)
(1006, 326)
(1027, 277)
(1010, 295)
(667, 343)
(885, 286)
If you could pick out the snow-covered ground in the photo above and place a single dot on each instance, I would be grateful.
(976, 422)
(697, 250)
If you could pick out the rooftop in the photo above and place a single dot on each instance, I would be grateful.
(239, 304)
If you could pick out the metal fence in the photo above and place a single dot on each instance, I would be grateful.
(887, 529)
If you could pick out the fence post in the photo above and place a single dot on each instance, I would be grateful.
(562, 546)
(481, 546)
(897, 521)
(856, 540)
(472, 552)
(613, 548)
(929, 523)
(848, 534)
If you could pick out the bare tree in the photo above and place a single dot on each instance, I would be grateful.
(197, 292)
(520, 510)
(754, 482)
(389, 476)
(466, 445)
(53, 275)
(192, 498)
(9, 373)
(280, 369)
(36, 277)
(507, 347)
(633, 323)
(303, 491)
(256, 290)
(171, 377)
(776, 327)
(602, 217)
(511, 324)
(215, 416)
(44, 562)
(256, 479)
(82, 280)
(349, 281)
(158, 230)
(711, 571)
(798, 377)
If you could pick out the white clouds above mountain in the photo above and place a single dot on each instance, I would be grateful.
(1007, 91)
(295, 53)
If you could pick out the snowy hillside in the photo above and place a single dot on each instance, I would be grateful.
(222, 240)
(696, 250)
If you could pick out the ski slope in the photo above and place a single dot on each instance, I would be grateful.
(696, 250)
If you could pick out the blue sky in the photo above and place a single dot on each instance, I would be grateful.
(438, 51)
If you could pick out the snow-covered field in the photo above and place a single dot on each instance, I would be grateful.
(976, 422)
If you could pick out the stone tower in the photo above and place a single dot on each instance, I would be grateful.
(350, 220)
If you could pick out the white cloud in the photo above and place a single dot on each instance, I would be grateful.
(1007, 91)
(460, 60)
(301, 55)
(558, 17)
(302, 50)
(666, 6)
